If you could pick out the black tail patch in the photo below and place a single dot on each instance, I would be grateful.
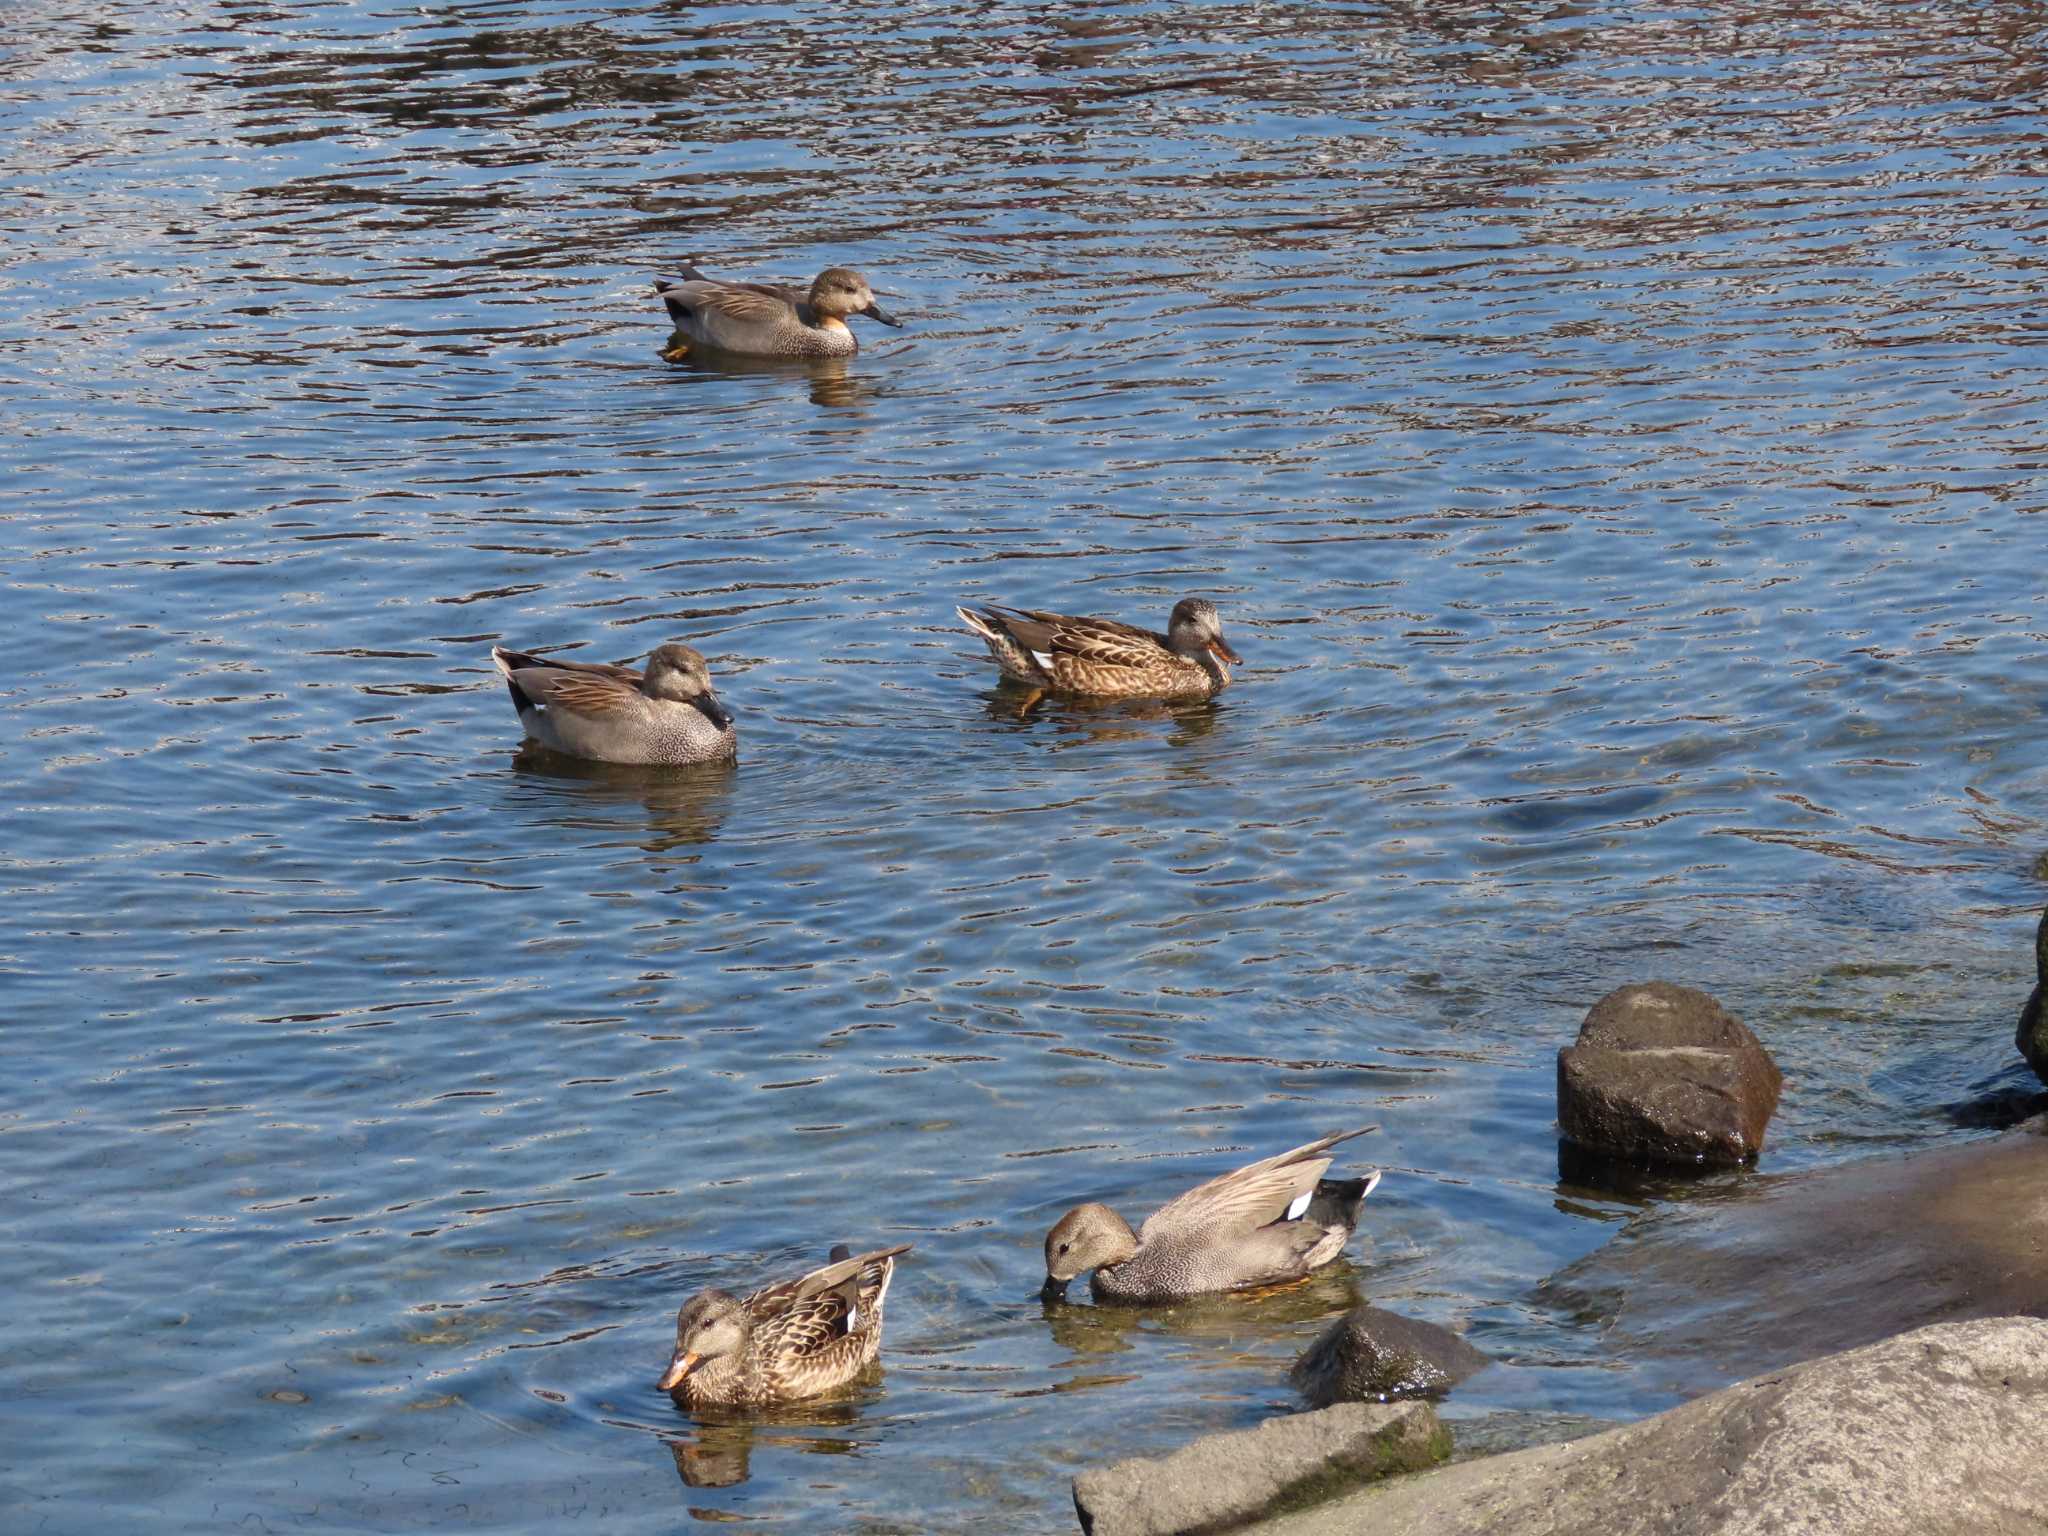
(839, 1255)
(1337, 1202)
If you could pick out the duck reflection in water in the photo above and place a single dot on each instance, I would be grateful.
(1237, 1329)
(718, 1454)
(1103, 720)
(661, 809)
(832, 381)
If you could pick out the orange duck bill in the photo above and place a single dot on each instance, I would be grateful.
(681, 1366)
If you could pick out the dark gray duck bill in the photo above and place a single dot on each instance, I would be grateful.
(876, 312)
(708, 705)
(1052, 1290)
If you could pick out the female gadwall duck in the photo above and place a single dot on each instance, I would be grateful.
(1266, 1223)
(789, 1341)
(765, 320)
(619, 715)
(1107, 659)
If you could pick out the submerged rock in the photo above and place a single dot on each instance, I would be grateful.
(1937, 1430)
(1222, 1481)
(1372, 1355)
(2032, 1038)
(1782, 1269)
(1666, 1074)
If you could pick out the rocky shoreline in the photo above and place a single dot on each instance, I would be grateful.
(1889, 1315)
(1934, 1430)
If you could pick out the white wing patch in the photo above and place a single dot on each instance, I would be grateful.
(1042, 659)
(852, 1318)
(1300, 1204)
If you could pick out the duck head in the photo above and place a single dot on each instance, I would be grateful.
(677, 673)
(711, 1324)
(1087, 1237)
(1195, 627)
(839, 292)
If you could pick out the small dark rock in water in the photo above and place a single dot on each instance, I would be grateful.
(1663, 1073)
(1371, 1355)
(2033, 1033)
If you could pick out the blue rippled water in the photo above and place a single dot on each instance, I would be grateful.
(1614, 436)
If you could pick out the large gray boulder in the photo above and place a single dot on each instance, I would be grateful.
(1934, 1431)
(1373, 1355)
(1663, 1073)
(2033, 1032)
(1224, 1481)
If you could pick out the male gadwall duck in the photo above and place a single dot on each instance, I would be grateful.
(1267, 1223)
(784, 1343)
(1106, 659)
(765, 319)
(608, 714)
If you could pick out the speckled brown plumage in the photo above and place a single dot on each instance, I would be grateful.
(1105, 658)
(784, 1342)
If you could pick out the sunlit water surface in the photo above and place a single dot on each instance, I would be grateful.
(1614, 435)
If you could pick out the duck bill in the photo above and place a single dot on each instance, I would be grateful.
(876, 312)
(709, 707)
(1225, 652)
(681, 1366)
(1053, 1290)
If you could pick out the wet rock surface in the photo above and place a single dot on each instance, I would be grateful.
(1787, 1268)
(1372, 1355)
(2032, 1038)
(1935, 1430)
(1222, 1482)
(1663, 1073)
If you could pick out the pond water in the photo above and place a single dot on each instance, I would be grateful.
(1614, 436)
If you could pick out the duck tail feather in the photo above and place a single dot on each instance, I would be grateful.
(508, 662)
(983, 624)
(1337, 1201)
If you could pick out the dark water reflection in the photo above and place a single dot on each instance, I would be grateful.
(1613, 436)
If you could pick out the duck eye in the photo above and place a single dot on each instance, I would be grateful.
(1063, 1247)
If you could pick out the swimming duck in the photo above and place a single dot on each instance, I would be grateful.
(617, 714)
(789, 1341)
(1107, 659)
(766, 319)
(1264, 1224)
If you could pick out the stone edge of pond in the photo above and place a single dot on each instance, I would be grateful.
(1224, 1482)
(1934, 1429)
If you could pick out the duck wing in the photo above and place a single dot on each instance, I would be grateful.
(742, 303)
(519, 661)
(797, 1328)
(1100, 642)
(802, 1316)
(1278, 1188)
(824, 1278)
(690, 272)
(580, 687)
